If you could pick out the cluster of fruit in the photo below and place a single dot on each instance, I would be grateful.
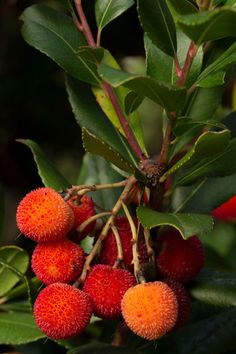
(62, 310)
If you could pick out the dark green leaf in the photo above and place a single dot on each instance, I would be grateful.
(132, 102)
(18, 328)
(169, 97)
(96, 170)
(50, 176)
(162, 67)
(181, 7)
(215, 334)
(184, 124)
(214, 70)
(55, 35)
(89, 115)
(208, 144)
(216, 288)
(98, 147)
(107, 10)
(209, 25)
(15, 257)
(19, 306)
(187, 224)
(200, 107)
(206, 196)
(101, 348)
(158, 23)
(223, 164)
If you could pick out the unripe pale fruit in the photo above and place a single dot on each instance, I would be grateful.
(226, 211)
(106, 286)
(43, 215)
(82, 212)
(62, 311)
(109, 253)
(183, 300)
(150, 310)
(57, 261)
(179, 259)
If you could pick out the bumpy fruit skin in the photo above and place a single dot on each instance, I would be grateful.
(150, 310)
(226, 211)
(43, 215)
(183, 300)
(179, 259)
(62, 311)
(57, 261)
(82, 212)
(108, 254)
(106, 287)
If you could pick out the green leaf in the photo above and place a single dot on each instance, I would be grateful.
(162, 67)
(96, 170)
(208, 144)
(223, 164)
(50, 176)
(29, 289)
(132, 102)
(181, 7)
(205, 196)
(55, 35)
(18, 328)
(16, 257)
(89, 115)
(169, 97)
(200, 107)
(187, 224)
(107, 10)
(98, 147)
(158, 23)
(101, 348)
(213, 72)
(216, 288)
(209, 25)
(2, 212)
(215, 334)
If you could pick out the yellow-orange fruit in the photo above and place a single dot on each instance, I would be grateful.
(150, 310)
(62, 311)
(43, 215)
(57, 261)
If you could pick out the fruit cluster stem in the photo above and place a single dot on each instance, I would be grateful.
(150, 251)
(91, 219)
(98, 244)
(119, 259)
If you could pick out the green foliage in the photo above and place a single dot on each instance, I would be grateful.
(18, 328)
(50, 176)
(2, 212)
(152, 12)
(187, 224)
(210, 25)
(14, 262)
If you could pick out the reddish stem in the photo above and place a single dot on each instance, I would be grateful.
(192, 51)
(123, 121)
(85, 26)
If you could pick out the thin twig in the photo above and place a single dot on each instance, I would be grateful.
(148, 242)
(91, 219)
(85, 26)
(98, 244)
(119, 259)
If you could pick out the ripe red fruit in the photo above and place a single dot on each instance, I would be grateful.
(226, 211)
(57, 261)
(183, 300)
(43, 215)
(106, 286)
(82, 212)
(109, 252)
(62, 311)
(179, 259)
(150, 310)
